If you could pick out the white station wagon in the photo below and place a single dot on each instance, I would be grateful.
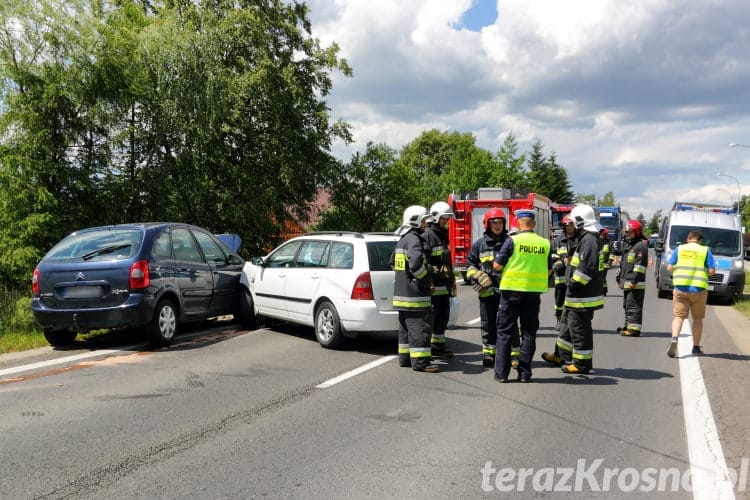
(340, 283)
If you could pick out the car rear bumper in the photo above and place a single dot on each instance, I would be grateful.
(136, 311)
(363, 316)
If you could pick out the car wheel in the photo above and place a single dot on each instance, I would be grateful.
(163, 326)
(328, 326)
(60, 338)
(246, 315)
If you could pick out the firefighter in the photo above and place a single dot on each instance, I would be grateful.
(485, 281)
(411, 291)
(584, 294)
(631, 277)
(606, 245)
(563, 247)
(526, 264)
(443, 281)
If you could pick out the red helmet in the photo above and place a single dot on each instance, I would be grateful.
(604, 231)
(567, 220)
(493, 213)
(635, 226)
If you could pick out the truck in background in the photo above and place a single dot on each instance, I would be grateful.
(469, 210)
(614, 219)
(722, 231)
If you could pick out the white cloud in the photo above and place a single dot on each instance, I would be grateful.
(638, 98)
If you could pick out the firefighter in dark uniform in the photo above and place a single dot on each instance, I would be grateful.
(632, 278)
(525, 261)
(585, 278)
(411, 292)
(486, 281)
(443, 281)
(606, 249)
(562, 249)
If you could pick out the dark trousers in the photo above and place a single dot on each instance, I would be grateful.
(560, 299)
(632, 302)
(488, 317)
(579, 336)
(441, 309)
(515, 306)
(414, 332)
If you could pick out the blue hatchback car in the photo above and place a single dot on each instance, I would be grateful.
(153, 275)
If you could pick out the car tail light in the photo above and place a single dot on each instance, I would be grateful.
(363, 288)
(35, 282)
(139, 277)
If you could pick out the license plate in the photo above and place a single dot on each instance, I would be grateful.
(82, 292)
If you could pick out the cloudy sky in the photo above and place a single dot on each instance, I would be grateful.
(639, 98)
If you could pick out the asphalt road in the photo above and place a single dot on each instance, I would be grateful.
(228, 413)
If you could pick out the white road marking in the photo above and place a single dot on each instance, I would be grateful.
(708, 468)
(474, 321)
(344, 376)
(58, 361)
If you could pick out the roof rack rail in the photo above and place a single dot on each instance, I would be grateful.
(356, 234)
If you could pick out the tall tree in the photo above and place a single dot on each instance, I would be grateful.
(510, 171)
(608, 200)
(369, 193)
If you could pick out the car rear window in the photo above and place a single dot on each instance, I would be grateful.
(96, 245)
(379, 254)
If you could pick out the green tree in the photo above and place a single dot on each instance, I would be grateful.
(589, 199)
(608, 200)
(510, 172)
(370, 192)
(653, 225)
(445, 162)
(212, 113)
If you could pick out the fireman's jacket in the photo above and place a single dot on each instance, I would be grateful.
(482, 255)
(633, 264)
(440, 258)
(585, 274)
(562, 248)
(606, 249)
(411, 290)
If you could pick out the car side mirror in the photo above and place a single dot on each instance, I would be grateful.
(659, 245)
(258, 261)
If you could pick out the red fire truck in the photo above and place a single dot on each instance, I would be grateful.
(469, 208)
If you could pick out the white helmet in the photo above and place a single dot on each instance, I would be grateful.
(584, 217)
(441, 209)
(415, 214)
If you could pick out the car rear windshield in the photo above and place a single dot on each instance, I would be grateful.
(96, 245)
(379, 254)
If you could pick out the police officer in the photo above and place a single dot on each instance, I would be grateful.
(526, 264)
(486, 281)
(584, 295)
(443, 281)
(632, 278)
(411, 291)
(562, 248)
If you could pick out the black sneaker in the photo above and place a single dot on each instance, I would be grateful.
(697, 351)
(488, 361)
(500, 379)
(672, 348)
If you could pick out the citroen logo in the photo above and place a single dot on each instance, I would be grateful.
(80, 277)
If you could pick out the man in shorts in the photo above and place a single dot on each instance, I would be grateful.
(690, 264)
